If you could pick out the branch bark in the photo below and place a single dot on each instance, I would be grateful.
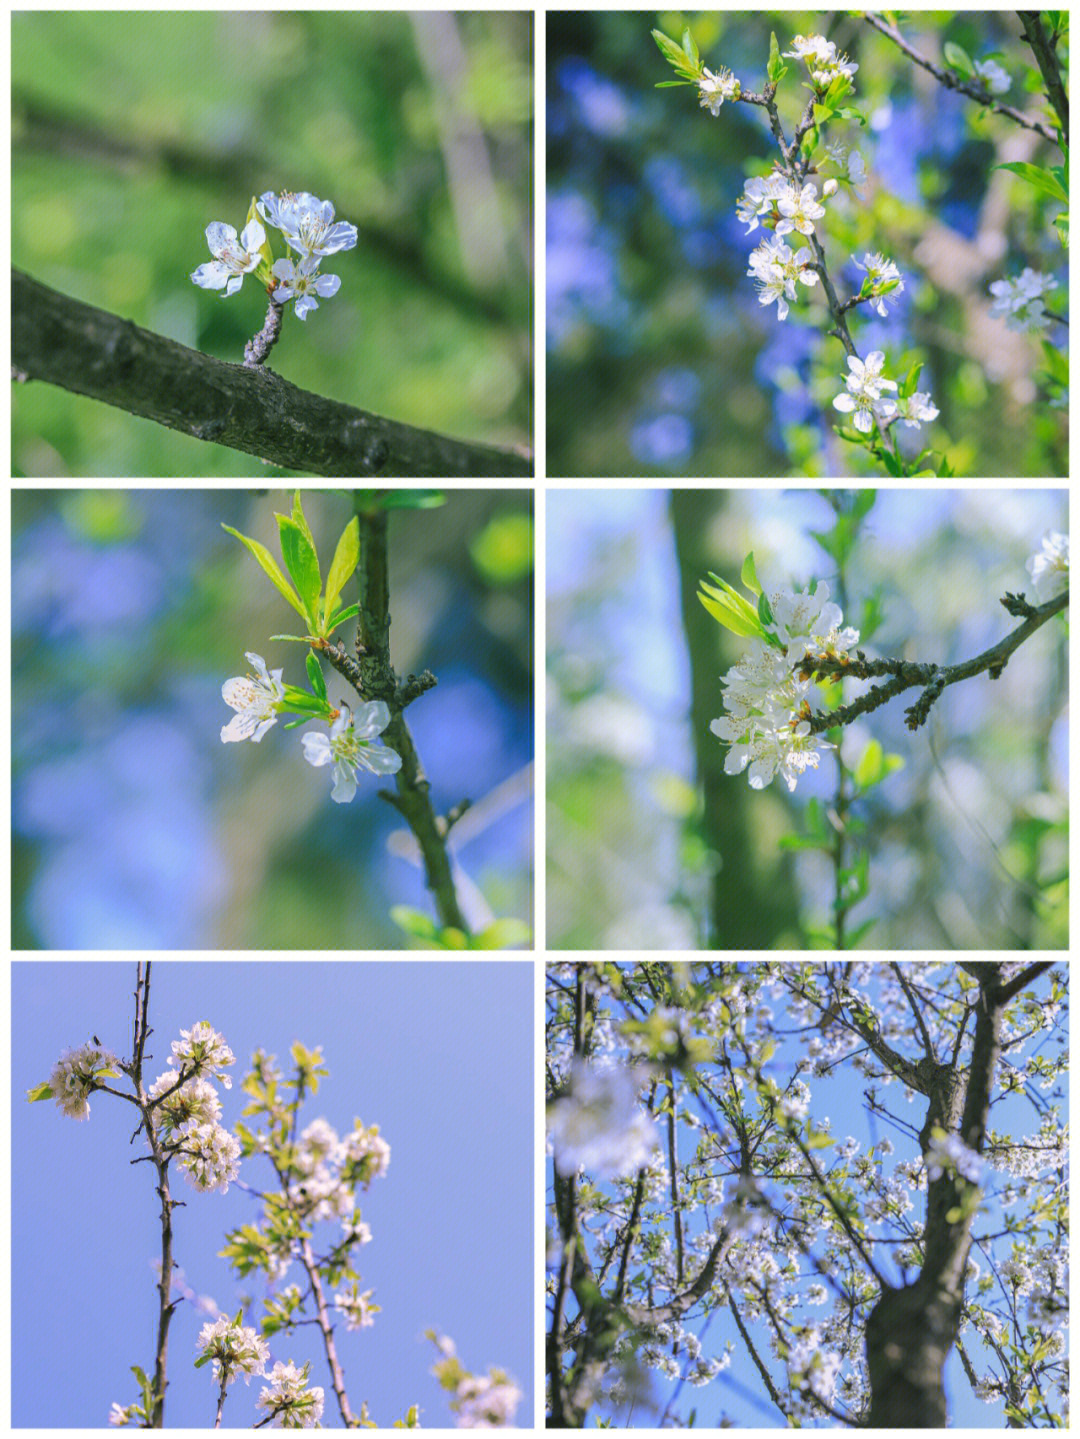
(91, 352)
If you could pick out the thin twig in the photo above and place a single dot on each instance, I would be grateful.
(952, 81)
(1049, 67)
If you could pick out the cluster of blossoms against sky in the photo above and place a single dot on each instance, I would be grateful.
(310, 231)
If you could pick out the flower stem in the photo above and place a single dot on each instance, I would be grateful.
(260, 345)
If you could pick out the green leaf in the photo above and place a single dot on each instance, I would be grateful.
(823, 114)
(690, 49)
(776, 67)
(730, 609)
(675, 55)
(315, 674)
(343, 564)
(958, 59)
(819, 1140)
(269, 564)
(39, 1092)
(864, 503)
(749, 575)
(298, 639)
(503, 934)
(300, 519)
(1037, 175)
(303, 565)
(911, 380)
(340, 616)
(764, 609)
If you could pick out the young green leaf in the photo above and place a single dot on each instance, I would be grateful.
(958, 59)
(300, 519)
(343, 564)
(749, 575)
(340, 616)
(1043, 179)
(730, 609)
(315, 674)
(303, 565)
(269, 564)
(39, 1091)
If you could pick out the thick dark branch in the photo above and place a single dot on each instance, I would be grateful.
(1047, 61)
(952, 81)
(92, 352)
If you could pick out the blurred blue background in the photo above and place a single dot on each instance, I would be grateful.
(439, 1054)
(968, 841)
(135, 827)
(662, 362)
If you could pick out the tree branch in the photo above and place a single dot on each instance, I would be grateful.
(91, 352)
(1050, 69)
(935, 678)
(952, 81)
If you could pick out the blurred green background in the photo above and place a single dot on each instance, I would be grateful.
(132, 131)
(661, 360)
(652, 846)
(135, 827)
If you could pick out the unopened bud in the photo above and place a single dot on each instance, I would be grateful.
(829, 188)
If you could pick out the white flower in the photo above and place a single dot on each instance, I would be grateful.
(715, 89)
(950, 1155)
(357, 1308)
(863, 396)
(760, 197)
(119, 1416)
(600, 1124)
(234, 1348)
(75, 1076)
(916, 409)
(234, 258)
(810, 48)
(292, 1404)
(823, 73)
(307, 223)
(1019, 299)
(993, 76)
(302, 283)
(196, 1099)
(348, 747)
(856, 168)
(255, 699)
(486, 1401)
(209, 1155)
(201, 1050)
(776, 269)
(799, 209)
(1049, 569)
(881, 272)
(791, 749)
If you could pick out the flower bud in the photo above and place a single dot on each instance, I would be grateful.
(830, 187)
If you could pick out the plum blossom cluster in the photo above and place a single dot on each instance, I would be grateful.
(290, 1402)
(349, 746)
(1019, 301)
(187, 1112)
(600, 1124)
(767, 724)
(234, 1348)
(1049, 566)
(864, 396)
(309, 229)
(822, 59)
(480, 1401)
(76, 1074)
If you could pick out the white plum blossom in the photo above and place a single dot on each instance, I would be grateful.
(119, 1416)
(486, 1401)
(255, 698)
(349, 749)
(601, 1125)
(716, 88)
(776, 268)
(209, 1155)
(760, 197)
(810, 623)
(1049, 567)
(863, 397)
(948, 1154)
(357, 1309)
(234, 1348)
(917, 409)
(194, 1100)
(307, 223)
(303, 283)
(1019, 300)
(201, 1050)
(881, 272)
(75, 1076)
(799, 209)
(993, 76)
(233, 257)
(821, 58)
(288, 1399)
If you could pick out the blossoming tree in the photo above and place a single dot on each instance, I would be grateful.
(786, 203)
(898, 1265)
(306, 1179)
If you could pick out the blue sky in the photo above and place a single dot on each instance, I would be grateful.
(438, 1054)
